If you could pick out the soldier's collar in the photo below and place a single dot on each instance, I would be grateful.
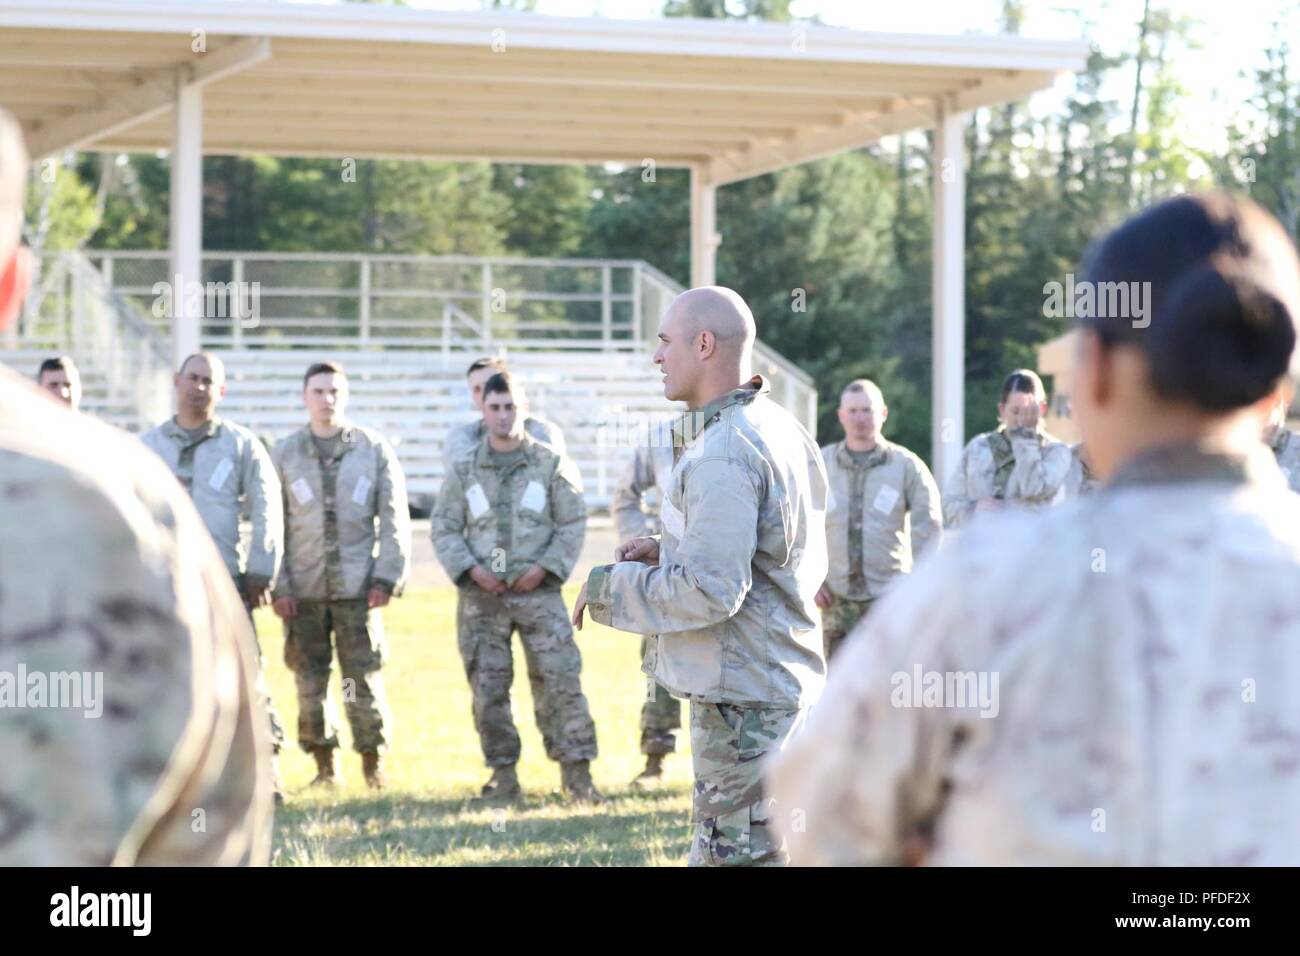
(1187, 463)
(687, 428)
(483, 457)
(347, 439)
(174, 429)
(875, 457)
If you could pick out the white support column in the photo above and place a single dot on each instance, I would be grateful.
(186, 220)
(948, 390)
(704, 231)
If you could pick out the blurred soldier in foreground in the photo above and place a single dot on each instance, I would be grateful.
(635, 517)
(1019, 464)
(59, 377)
(884, 512)
(729, 586)
(347, 553)
(463, 439)
(508, 528)
(129, 732)
(1114, 681)
(227, 472)
(1284, 442)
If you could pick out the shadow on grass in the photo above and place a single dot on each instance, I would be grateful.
(635, 829)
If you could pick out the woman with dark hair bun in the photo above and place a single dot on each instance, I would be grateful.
(1018, 464)
(1113, 681)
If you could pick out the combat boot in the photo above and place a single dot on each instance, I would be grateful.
(502, 790)
(276, 787)
(326, 775)
(575, 778)
(652, 775)
(372, 765)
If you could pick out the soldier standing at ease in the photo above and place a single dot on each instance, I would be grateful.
(347, 553)
(729, 588)
(648, 471)
(883, 514)
(464, 438)
(227, 472)
(110, 581)
(508, 528)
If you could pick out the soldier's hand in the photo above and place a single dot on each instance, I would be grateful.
(579, 606)
(645, 550)
(486, 579)
(378, 597)
(823, 598)
(285, 607)
(529, 579)
(257, 594)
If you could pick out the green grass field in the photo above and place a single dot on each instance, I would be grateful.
(435, 765)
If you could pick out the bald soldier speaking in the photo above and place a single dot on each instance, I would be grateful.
(728, 587)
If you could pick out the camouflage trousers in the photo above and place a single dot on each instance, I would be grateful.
(358, 634)
(485, 624)
(661, 714)
(277, 729)
(732, 816)
(838, 620)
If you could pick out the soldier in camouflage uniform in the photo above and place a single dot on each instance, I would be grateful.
(1019, 465)
(227, 472)
(729, 586)
(1080, 479)
(463, 439)
(1285, 443)
(884, 512)
(153, 754)
(347, 553)
(508, 528)
(635, 510)
(1129, 663)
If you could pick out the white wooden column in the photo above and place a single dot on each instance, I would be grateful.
(186, 219)
(704, 232)
(948, 391)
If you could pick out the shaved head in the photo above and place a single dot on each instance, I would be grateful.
(706, 345)
(216, 367)
(719, 310)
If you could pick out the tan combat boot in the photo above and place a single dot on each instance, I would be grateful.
(502, 790)
(652, 775)
(372, 766)
(575, 778)
(326, 775)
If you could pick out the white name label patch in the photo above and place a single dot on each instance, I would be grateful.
(302, 491)
(477, 501)
(360, 492)
(220, 474)
(886, 498)
(534, 498)
(673, 521)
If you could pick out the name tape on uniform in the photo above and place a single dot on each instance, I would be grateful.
(673, 521)
(360, 492)
(302, 491)
(534, 498)
(220, 474)
(477, 501)
(886, 498)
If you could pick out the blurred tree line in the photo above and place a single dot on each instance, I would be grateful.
(852, 232)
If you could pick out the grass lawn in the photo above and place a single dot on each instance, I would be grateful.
(435, 764)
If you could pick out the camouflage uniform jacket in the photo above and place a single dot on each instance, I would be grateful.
(347, 528)
(1079, 480)
(1145, 643)
(741, 557)
(510, 518)
(463, 439)
(228, 472)
(648, 470)
(105, 569)
(1286, 448)
(1010, 465)
(872, 509)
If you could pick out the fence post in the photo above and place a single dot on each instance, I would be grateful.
(364, 307)
(606, 309)
(486, 305)
(637, 323)
(106, 270)
(237, 313)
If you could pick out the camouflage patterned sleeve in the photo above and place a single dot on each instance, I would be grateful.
(923, 507)
(265, 504)
(1040, 469)
(957, 505)
(712, 566)
(630, 518)
(868, 770)
(394, 561)
(447, 527)
(283, 586)
(569, 520)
